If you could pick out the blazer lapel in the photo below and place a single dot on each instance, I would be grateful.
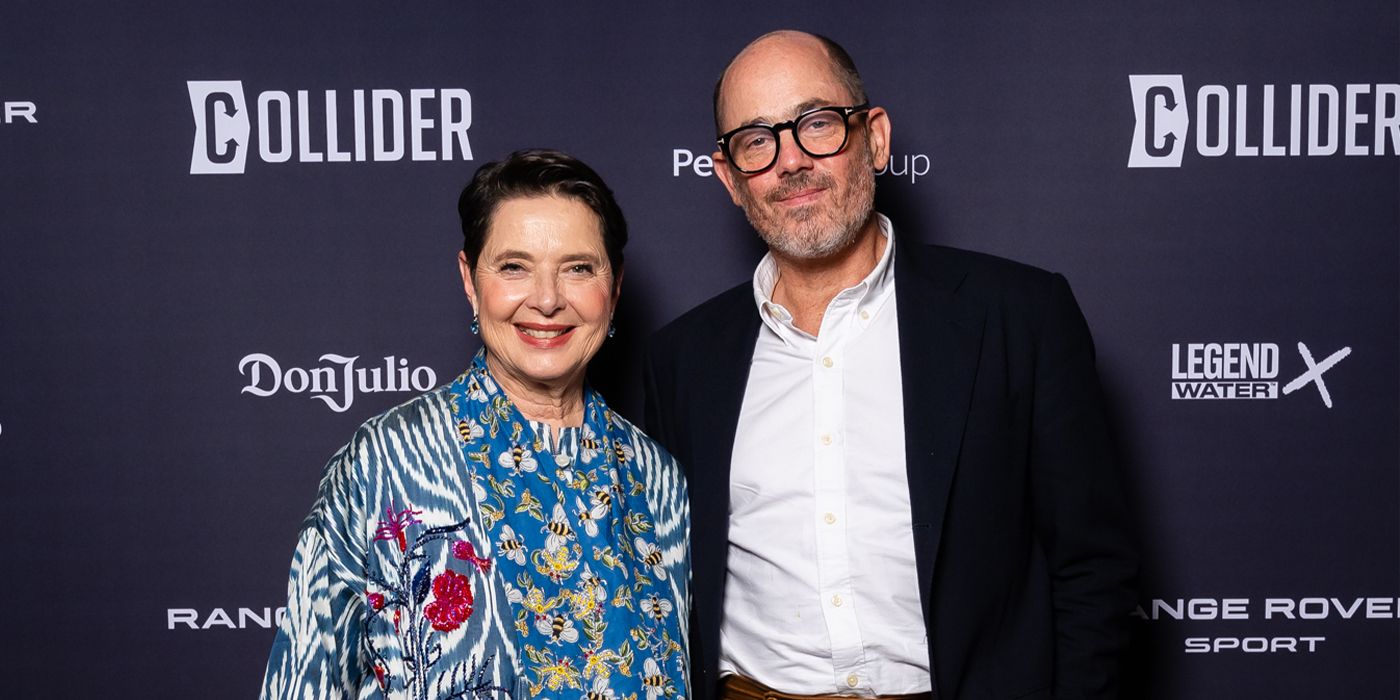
(939, 343)
(720, 391)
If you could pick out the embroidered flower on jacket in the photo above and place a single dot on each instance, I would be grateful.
(464, 550)
(397, 524)
(453, 601)
(375, 600)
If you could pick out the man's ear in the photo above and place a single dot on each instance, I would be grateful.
(877, 130)
(725, 175)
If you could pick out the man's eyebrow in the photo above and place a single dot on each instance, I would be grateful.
(804, 106)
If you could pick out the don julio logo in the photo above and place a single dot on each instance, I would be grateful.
(382, 125)
(336, 382)
(1353, 119)
(1243, 371)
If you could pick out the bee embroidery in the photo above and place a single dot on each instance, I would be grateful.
(652, 681)
(623, 451)
(512, 546)
(560, 629)
(469, 430)
(557, 529)
(601, 498)
(589, 516)
(657, 606)
(474, 390)
(589, 445)
(600, 690)
(650, 555)
(518, 459)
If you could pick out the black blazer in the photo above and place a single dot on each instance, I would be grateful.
(1021, 535)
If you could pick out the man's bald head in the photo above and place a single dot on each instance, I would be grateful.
(843, 68)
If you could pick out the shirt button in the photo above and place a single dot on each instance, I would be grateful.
(826, 439)
(836, 600)
(830, 518)
(561, 460)
(852, 680)
(864, 315)
(827, 362)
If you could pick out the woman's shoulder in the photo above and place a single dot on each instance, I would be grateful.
(639, 438)
(414, 431)
(428, 411)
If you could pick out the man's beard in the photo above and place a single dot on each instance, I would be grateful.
(819, 230)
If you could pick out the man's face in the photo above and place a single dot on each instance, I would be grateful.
(803, 207)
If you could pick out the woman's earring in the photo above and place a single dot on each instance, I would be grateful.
(612, 329)
(476, 327)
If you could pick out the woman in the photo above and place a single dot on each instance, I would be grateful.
(506, 535)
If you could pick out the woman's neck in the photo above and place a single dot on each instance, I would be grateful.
(556, 406)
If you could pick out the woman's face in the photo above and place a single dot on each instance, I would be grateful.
(542, 289)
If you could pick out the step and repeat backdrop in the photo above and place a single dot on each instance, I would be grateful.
(228, 236)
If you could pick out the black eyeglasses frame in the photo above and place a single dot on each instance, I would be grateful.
(791, 125)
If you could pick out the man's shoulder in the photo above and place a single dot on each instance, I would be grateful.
(982, 267)
(980, 276)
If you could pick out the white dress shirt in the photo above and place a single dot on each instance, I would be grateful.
(822, 590)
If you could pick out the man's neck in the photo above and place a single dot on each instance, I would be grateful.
(806, 287)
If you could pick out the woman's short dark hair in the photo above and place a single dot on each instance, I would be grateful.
(538, 173)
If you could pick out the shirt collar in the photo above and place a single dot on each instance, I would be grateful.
(874, 288)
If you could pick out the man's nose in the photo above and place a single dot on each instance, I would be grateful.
(791, 157)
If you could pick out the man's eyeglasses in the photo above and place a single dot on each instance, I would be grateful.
(819, 133)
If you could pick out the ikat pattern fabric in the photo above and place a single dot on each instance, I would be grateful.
(404, 585)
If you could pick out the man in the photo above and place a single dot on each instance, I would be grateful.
(900, 475)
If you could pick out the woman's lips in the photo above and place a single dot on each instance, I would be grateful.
(542, 335)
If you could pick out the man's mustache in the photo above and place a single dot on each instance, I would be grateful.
(799, 182)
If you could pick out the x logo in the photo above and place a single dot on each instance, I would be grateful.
(1314, 373)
